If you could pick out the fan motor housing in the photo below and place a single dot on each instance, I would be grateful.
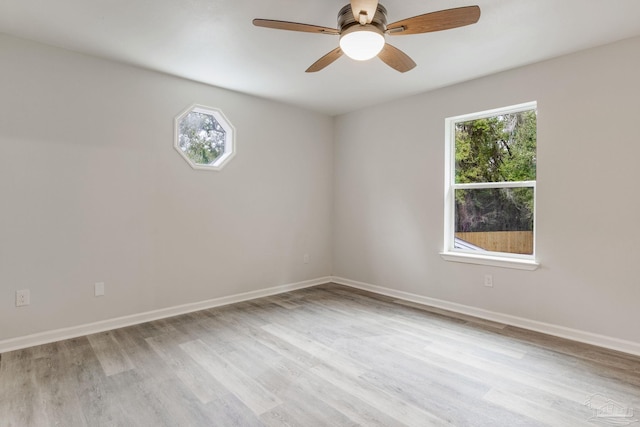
(346, 19)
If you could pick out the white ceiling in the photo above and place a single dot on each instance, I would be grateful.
(214, 42)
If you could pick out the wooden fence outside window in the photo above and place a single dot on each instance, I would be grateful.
(514, 242)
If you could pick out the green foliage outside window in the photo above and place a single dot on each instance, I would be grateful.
(201, 138)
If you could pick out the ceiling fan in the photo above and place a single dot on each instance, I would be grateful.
(362, 27)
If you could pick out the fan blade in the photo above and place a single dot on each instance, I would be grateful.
(364, 10)
(435, 21)
(326, 60)
(294, 26)
(396, 59)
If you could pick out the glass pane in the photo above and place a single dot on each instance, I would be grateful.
(201, 138)
(496, 149)
(495, 219)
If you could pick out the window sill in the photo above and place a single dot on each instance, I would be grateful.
(494, 261)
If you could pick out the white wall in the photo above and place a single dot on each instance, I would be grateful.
(91, 189)
(388, 200)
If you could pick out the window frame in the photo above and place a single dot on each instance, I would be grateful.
(229, 147)
(496, 259)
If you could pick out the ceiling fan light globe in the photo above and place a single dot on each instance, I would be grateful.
(362, 42)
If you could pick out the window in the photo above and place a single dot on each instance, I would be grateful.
(204, 137)
(491, 187)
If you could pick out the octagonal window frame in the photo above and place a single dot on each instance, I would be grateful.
(229, 143)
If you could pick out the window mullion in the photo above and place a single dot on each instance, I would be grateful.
(481, 185)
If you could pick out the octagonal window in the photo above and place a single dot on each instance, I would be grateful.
(204, 137)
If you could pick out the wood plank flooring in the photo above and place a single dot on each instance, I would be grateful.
(323, 356)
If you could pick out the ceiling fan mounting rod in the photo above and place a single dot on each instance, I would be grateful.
(347, 20)
(363, 17)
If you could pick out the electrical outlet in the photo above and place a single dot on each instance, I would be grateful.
(23, 297)
(488, 280)
(305, 258)
(99, 289)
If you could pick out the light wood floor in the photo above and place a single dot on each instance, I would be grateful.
(324, 356)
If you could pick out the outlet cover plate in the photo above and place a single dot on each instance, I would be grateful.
(23, 297)
(488, 280)
(99, 289)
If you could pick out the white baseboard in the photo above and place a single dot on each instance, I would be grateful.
(533, 325)
(120, 322)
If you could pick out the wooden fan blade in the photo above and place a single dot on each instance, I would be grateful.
(364, 10)
(436, 21)
(396, 59)
(294, 26)
(328, 59)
